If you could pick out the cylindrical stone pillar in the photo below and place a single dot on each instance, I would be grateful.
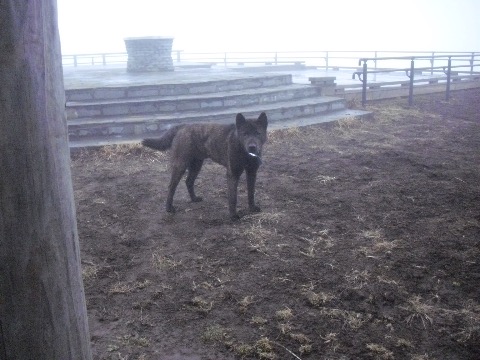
(152, 53)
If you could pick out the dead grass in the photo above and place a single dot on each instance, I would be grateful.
(380, 352)
(215, 333)
(199, 304)
(245, 303)
(89, 272)
(358, 279)
(347, 126)
(318, 299)
(128, 287)
(259, 320)
(419, 311)
(161, 262)
(352, 319)
(470, 313)
(284, 314)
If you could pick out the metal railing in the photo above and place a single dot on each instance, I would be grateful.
(452, 64)
(466, 63)
(322, 59)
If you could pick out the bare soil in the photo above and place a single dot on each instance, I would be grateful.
(367, 246)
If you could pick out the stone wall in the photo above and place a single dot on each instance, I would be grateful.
(146, 54)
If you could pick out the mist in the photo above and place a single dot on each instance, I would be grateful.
(92, 26)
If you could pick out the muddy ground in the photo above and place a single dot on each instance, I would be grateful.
(367, 246)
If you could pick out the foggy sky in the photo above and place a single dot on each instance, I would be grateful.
(91, 26)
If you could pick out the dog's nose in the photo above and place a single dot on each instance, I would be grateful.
(252, 149)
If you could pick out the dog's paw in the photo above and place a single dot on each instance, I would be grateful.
(171, 209)
(197, 199)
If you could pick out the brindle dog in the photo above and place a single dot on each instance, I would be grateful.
(238, 147)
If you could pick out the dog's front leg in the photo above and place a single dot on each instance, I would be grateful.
(232, 184)
(251, 179)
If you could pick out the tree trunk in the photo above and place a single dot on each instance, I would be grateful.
(42, 302)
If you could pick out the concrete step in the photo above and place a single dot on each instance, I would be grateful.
(149, 125)
(182, 86)
(97, 141)
(198, 102)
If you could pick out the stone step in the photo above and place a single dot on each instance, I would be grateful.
(200, 102)
(148, 125)
(97, 141)
(182, 85)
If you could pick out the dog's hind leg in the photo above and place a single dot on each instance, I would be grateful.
(194, 168)
(177, 172)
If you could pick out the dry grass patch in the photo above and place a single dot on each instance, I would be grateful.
(318, 299)
(388, 113)
(346, 126)
(121, 151)
(257, 235)
(264, 218)
(162, 262)
(419, 310)
(200, 305)
(264, 349)
(134, 340)
(471, 320)
(284, 315)
(128, 287)
(379, 244)
(280, 135)
(258, 320)
(245, 303)
(351, 318)
(357, 279)
(285, 328)
(89, 272)
(243, 350)
(215, 333)
(379, 352)
(331, 340)
(325, 179)
(318, 238)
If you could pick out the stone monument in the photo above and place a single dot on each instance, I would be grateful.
(151, 53)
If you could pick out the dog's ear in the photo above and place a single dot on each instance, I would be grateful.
(240, 120)
(262, 120)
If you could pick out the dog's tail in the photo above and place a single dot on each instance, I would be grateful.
(164, 142)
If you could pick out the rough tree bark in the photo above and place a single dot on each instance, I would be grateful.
(42, 302)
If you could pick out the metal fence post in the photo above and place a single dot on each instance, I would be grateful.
(326, 60)
(472, 60)
(449, 71)
(432, 62)
(412, 77)
(364, 83)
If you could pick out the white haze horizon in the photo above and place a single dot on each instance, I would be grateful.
(100, 26)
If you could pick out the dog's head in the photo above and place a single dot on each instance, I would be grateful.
(252, 133)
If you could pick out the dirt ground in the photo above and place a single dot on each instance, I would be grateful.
(367, 246)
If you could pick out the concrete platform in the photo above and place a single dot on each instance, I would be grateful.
(107, 104)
